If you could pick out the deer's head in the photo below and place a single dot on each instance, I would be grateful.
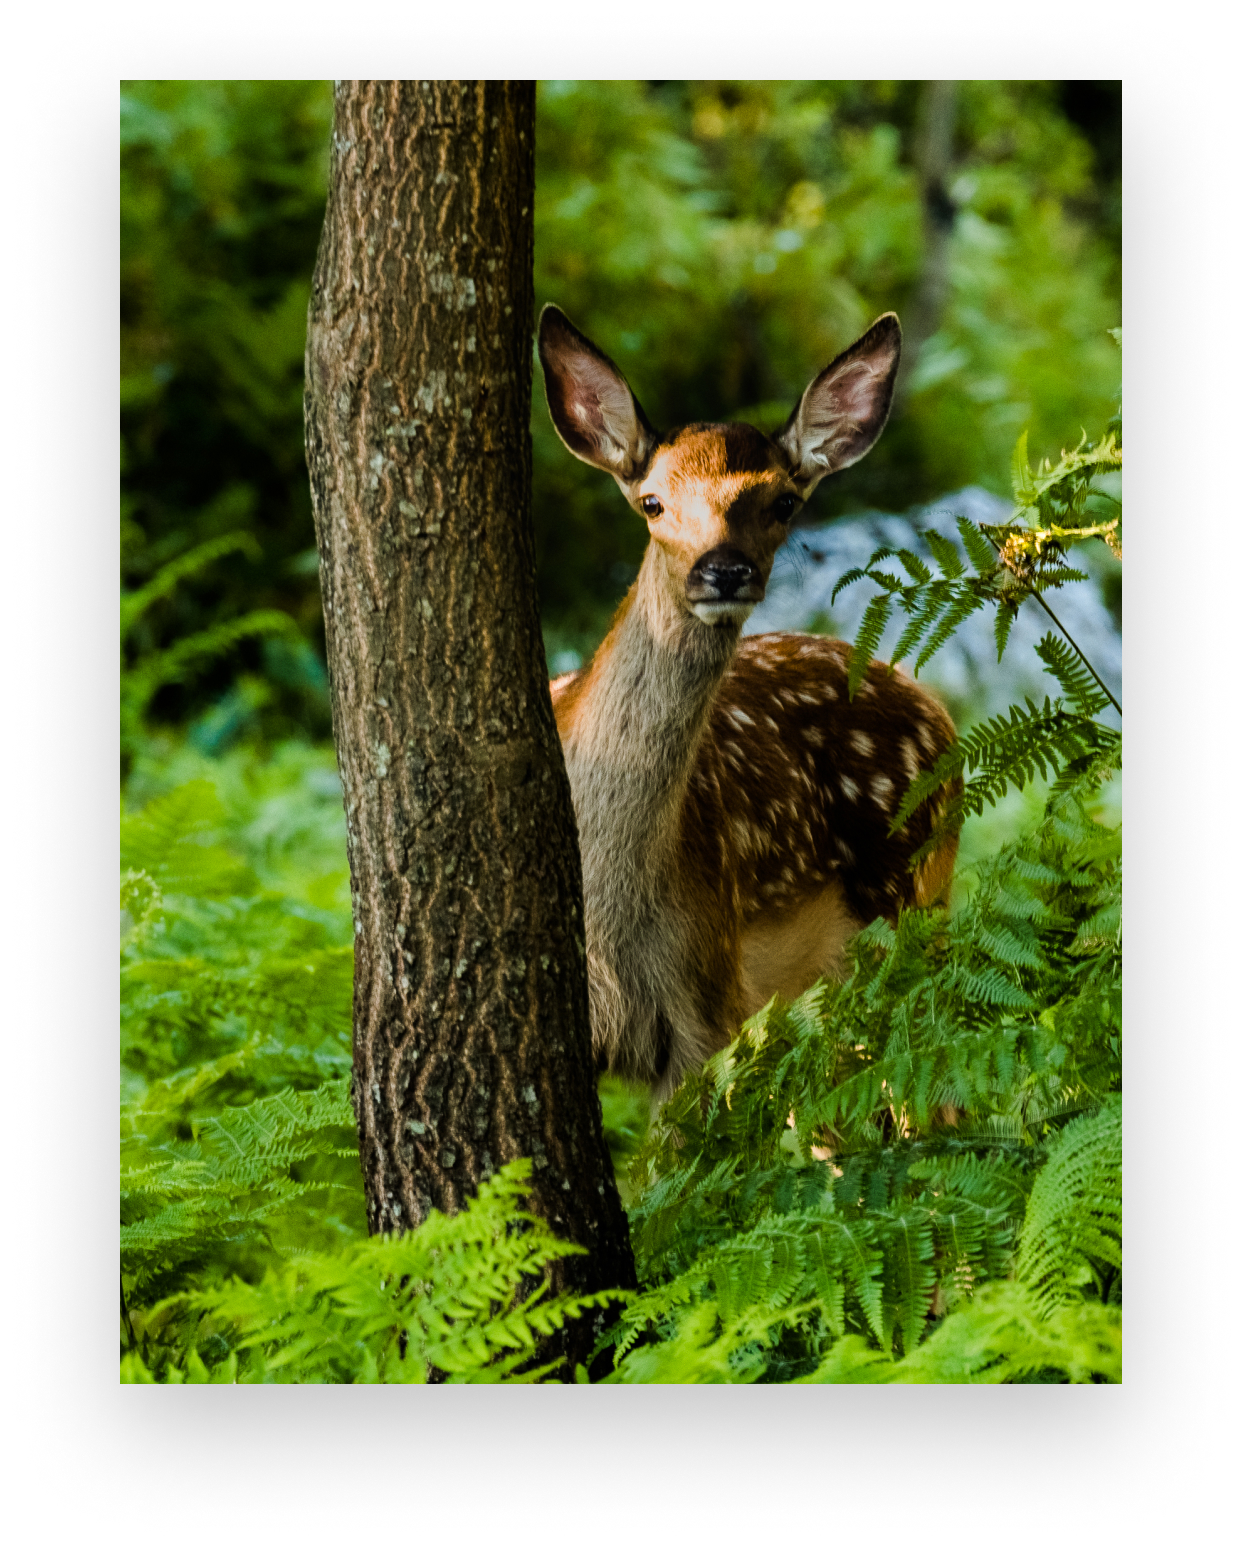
(718, 499)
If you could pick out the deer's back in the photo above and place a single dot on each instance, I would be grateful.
(804, 783)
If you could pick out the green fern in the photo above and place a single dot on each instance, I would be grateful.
(807, 1209)
(1057, 741)
(458, 1295)
(1011, 562)
(143, 674)
(1072, 1237)
(999, 1337)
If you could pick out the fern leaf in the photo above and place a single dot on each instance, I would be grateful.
(978, 549)
(910, 1251)
(849, 577)
(1071, 675)
(1005, 617)
(136, 602)
(1022, 481)
(945, 553)
(1073, 1219)
(921, 618)
(914, 566)
(870, 631)
(964, 603)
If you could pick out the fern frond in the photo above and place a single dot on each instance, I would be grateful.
(998, 1337)
(1071, 675)
(963, 605)
(1005, 617)
(852, 576)
(915, 566)
(1073, 1220)
(870, 631)
(923, 613)
(945, 554)
(978, 549)
(135, 602)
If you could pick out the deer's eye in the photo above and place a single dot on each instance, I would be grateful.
(651, 506)
(784, 506)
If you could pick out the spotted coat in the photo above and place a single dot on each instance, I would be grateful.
(802, 783)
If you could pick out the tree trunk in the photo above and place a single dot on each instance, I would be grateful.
(471, 1031)
(933, 159)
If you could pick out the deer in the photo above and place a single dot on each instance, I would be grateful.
(733, 803)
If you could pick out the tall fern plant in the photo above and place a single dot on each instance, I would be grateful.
(915, 1175)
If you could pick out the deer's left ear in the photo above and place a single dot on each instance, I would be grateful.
(844, 409)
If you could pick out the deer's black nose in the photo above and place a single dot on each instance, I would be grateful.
(724, 573)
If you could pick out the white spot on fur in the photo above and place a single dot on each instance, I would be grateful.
(910, 758)
(813, 736)
(881, 791)
(926, 738)
(771, 723)
(811, 701)
(741, 718)
(862, 742)
(850, 789)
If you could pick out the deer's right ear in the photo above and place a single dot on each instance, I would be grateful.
(594, 410)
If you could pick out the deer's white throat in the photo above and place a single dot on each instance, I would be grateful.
(717, 612)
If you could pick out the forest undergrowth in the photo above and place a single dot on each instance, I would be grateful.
(910, 1176)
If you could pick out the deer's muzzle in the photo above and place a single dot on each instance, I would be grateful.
(724, 585)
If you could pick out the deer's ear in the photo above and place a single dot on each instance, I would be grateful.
(845, 407)
(594, 410)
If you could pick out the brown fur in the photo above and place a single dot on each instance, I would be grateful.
(733, 804)
(773, 852)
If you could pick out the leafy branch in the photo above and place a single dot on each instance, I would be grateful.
(1012, 562)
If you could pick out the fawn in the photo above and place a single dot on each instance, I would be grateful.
(732, 803)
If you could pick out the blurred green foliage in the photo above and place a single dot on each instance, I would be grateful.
(721, 240)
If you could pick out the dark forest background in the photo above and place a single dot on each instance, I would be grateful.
(722, 240)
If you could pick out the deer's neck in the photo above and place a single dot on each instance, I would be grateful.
(637, 726)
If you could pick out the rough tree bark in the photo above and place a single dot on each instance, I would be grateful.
(471, 1031)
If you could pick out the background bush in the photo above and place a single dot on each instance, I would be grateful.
(722, 240)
